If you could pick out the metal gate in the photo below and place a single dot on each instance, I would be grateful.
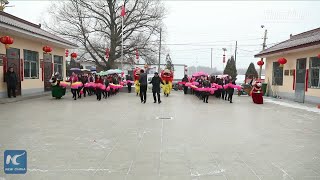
(13, 60)
(300, 80)
(47, 64)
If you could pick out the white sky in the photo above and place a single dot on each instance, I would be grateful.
(215, 24)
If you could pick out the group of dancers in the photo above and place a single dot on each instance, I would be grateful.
(222, 88)
(105, 86)
(87, 84)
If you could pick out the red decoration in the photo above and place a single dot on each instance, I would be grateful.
(7, 41)
(260, 63)
(307, 79)
(123, 11)
(47, 49)
(107, 53)
(67, 52)
(294, 80)
(74, 55)
(282, 61)
(137, 54)
(319, 56)
(21, 69)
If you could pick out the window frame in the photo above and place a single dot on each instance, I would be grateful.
(274, 78)
(310, 73)
(30, 62)
(58, 64)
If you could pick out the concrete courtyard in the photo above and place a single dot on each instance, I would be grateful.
(180, 139)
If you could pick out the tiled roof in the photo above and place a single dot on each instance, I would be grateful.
(305, 39)
(14, 21)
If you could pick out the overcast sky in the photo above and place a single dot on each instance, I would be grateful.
(194, 27)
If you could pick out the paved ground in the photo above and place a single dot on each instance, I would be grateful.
(121, 139)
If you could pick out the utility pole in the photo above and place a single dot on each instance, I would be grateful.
(264, 45)
(159, 51)
(211, 58)
(235, 52)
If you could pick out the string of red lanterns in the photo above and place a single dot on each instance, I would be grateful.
(7, 41)
(107, 53)
(67, 52)
(47, 49)
(319, 56)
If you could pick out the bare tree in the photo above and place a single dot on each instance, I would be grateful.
(97, 25)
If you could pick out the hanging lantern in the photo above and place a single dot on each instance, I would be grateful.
(260, 63)
(7, 41)
(47, 49)
(67, 52)
(319, 56)
(74, 55)
(137, 54)
(224, 59)
(107, 53)
(282, 61)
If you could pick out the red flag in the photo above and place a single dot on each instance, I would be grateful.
(123, 11)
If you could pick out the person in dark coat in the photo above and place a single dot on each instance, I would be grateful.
(185, 88)
(12, 81)
(156, 80)
(129, 78)
(143, 80)
(230, 91)
(205, 95)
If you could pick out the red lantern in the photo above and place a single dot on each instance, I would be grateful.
(7, 41)
(74, 55)
(260, 63)
(319, 56)
(47, 49)
(67, 52)
(282, 61)
(107, 53)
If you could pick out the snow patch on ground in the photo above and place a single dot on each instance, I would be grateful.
(293, 105)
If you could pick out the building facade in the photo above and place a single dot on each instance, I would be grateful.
(33, 67)
(299, 78)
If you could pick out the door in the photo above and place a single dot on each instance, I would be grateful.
(47, 64)
(300, 80)
(13, 60)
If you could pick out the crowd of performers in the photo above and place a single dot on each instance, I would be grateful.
(201, 86)
(87, 84)
(223, 88)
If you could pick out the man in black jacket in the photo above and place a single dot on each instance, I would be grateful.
(12, 81)
(143, 80)
(185, 88)
(156, 80)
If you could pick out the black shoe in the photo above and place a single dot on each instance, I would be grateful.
(230, 101)
(206, 101)
(159, 102)
(154, 101)
(144, 101)
(9, 97)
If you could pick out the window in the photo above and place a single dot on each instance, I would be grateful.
(286, 72)
(58, 64)
(31, 64)
(277, 74)
(314, 72)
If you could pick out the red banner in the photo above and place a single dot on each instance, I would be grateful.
(21, 69)
(5, 64)
(42, 69)
(307, 79)
(294, 80)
